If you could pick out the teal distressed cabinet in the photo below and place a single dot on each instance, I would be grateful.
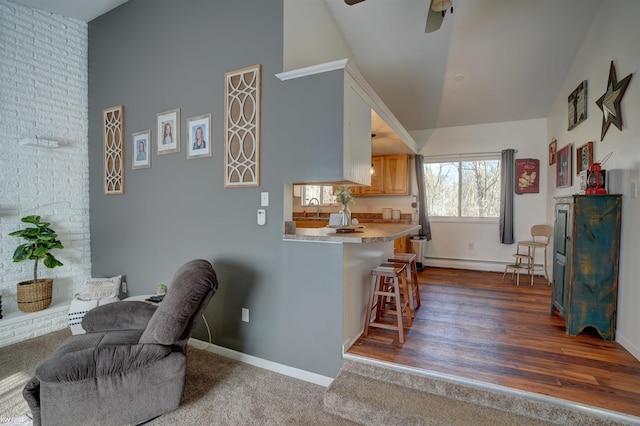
(586, 249)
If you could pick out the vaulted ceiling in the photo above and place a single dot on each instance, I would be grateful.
(491, 60)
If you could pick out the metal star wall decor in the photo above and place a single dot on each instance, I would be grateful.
(609, 103)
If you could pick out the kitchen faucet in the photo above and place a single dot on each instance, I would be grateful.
(317, 205)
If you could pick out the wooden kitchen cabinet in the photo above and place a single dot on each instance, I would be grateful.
(585, 265)
(396, 174)
(377, 179)
(356, 191)
(400, 245)
(391, 176)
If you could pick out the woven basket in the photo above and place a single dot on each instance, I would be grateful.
(34, 297)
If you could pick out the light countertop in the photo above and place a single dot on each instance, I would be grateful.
(370, 233)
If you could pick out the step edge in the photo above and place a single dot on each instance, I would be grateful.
(523, 396)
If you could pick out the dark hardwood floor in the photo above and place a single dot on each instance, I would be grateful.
(474, 325)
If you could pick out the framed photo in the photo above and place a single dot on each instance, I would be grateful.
(527, 176)
(564, 177)
(584, 157)
(583, 180)
(553, 147)
(577, 105)
(199, 136)
(141, 156)
(168, 132)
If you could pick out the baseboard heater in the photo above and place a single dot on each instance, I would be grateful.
(472, 264)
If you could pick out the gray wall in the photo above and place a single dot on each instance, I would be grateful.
(156, 55)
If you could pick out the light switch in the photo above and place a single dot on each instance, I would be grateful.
(264, 199)
(262, 216)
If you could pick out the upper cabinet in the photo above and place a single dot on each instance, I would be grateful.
(357, 134)
(390, 176)
(396, 174)
(377, 178)
(341, 149)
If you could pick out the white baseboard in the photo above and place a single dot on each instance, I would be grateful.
(296, 373)
(628, 345)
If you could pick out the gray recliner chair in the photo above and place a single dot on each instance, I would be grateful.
(130, 366)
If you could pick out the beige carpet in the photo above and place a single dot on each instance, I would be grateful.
(219, 390)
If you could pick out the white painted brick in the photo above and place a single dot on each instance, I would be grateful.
(42, 95)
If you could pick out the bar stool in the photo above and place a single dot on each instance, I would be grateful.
(387, 281)
(409, 259)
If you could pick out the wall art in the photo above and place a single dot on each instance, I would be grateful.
(553, 148)
(242, 127)
(113, 149)
(578, 105)
(584, 157)
(609, 103)
(140, 154)
(199, 136)
(564, 177)
(527, 176)
(168, 132)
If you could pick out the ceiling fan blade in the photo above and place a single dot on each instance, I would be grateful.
(434, 19)
(352, 2)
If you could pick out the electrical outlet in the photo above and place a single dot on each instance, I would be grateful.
(124, 286)
(634, 189)
(245, 315)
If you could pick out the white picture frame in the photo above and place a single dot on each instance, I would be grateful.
(199, 136)
(168, 132)
(141, 153)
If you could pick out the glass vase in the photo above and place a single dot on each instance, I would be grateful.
(345, 215)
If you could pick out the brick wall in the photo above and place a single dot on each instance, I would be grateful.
(43, 93)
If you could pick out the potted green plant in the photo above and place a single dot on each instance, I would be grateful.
(35, 295)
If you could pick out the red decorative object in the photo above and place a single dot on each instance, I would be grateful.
(527, 176)
(595, 181)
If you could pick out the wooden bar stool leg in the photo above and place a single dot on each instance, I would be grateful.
(372, 296)
(416, 283)
(408, 299)
(396, 292)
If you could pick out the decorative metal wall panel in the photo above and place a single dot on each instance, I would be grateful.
(242, 127)
(113, 145)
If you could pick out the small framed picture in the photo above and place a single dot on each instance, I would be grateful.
(199, 136)
(584, 157)
(584, 182)
(168, 132)
(527, 176)
(564, 177)
(577, 103)
(141, 155)
(553, 148)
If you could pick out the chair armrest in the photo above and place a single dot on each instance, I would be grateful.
(118, 316)
(96, 362)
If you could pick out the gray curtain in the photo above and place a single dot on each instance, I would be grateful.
(507, 189)
(422, 199)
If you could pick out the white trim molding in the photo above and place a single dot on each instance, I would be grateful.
(296, 373)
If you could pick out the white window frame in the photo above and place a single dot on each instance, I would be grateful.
(459, 159)
(324, 200)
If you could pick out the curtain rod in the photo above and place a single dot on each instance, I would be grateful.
(467, 154)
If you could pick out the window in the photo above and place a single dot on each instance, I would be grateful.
(468, 188)
(323, 194)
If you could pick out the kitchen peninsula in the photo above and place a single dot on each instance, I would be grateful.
(346, 260)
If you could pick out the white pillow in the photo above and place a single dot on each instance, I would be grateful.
(100, 288)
